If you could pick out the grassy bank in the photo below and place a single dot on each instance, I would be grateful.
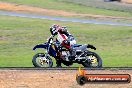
(115, 6)
(73, 6)
(19, 35)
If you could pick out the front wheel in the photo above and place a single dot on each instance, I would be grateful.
(40, 60)
(92, 60)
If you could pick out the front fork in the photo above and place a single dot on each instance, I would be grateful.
(46, 52)
(44, 59)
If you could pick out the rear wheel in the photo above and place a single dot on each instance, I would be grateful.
(92, 60)
(39, 60)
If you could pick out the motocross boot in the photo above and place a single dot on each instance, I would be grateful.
(58, 62)
(58, 65)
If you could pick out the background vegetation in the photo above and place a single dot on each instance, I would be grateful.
(81, 6)
(19, 35)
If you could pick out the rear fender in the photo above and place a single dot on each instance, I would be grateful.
(91, 46)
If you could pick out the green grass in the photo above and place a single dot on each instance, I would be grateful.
(18, 36)
(70, 6)
(116, 6)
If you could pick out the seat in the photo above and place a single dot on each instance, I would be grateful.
(81, 48)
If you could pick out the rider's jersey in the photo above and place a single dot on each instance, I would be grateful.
(61, 37)
(66, 36)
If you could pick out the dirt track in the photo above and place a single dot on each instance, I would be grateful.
(25, 8)
(127, 1)
(53, 79)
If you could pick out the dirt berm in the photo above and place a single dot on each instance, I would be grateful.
(127, 1)
(54, 79)
(26, 8)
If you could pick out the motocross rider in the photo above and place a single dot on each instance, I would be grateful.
(65, 38)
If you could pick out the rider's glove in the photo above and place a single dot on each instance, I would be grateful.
(70, 38)
(66, 42)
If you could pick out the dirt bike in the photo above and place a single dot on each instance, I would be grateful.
(53, 48)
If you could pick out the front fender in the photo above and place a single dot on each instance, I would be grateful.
(40, 46)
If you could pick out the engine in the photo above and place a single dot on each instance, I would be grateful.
(65, 55)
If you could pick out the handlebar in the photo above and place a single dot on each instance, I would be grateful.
(50, 38)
